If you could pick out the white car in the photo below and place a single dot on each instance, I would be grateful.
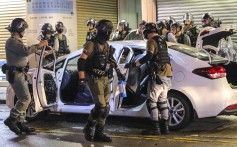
(199, 85)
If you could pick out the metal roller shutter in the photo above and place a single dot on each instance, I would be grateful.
(223, 9)
(103, 9)
(9, 9)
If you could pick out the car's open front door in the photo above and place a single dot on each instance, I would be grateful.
(44, 84)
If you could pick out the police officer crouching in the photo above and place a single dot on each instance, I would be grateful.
(15, 69)
(160, 79)
(96, 56)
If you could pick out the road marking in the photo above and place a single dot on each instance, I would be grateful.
(145, 137)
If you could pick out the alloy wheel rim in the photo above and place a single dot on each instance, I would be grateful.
(176, 110)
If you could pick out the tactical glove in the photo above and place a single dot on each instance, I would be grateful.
(120, 75)
(81, 85)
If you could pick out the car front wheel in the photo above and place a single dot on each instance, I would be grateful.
(180, 111)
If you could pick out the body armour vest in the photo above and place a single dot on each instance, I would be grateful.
(96, 64)
(63, 45)
(193, 34)
(161, 56)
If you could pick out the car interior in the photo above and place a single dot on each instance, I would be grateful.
(136, 93)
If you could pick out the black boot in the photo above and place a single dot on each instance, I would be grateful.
(25, 128)
(164, 126)
(100, 136)
(88, 130)
(155, 130)
(12, 124)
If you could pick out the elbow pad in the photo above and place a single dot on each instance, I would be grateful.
(81, 64)
(146, 58)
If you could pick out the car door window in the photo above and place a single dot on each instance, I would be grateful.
(126, 55)
(72, 64)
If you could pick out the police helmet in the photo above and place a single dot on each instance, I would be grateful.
(188, 16)
(47, 29)
(17, 25)
(91, 21)
(177, 25)
(207, 16)
(160, 25)
(123, 23)
(59, 27)
(104, 26)
(149, 28)
(169, 22)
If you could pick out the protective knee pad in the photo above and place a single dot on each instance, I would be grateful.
(97, 112)
(150, 105)
(162, 106)
(106, 112)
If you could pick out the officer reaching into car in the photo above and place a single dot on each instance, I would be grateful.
(15, 69)
(160, 73)
(90, 23)
(63, 42)
(190, 29)
(94, 68)
(179, 35)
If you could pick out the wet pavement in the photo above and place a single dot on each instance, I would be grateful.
(65, 130)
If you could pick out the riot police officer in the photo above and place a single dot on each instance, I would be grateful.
(180, 37)
(207, 20)
(190, 29)
(62, 39)
(123, 31)
(96, 56)
(90, 23)
(15, 69)
(47, 33)
(163, 31)
(160, 79)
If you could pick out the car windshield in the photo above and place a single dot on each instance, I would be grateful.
(200, 54)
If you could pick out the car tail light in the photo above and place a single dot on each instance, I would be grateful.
(231, 107)
(211, 72)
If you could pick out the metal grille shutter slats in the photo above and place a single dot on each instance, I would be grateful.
(9, 9)
(97, 9)
(223, 9)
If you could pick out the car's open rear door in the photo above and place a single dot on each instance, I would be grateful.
(125, 56)
(44, 84)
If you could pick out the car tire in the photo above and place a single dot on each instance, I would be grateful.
(30, 115)
(180, 111)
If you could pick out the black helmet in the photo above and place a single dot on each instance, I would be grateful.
(104, 25)
(169, 22)
(149, 28)
(188, 16)
(59, 27)
(17, 25)
(207, 16)
(91, 21)
(177, 25)
(160, 26)
(104, 29)
(47, 29)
